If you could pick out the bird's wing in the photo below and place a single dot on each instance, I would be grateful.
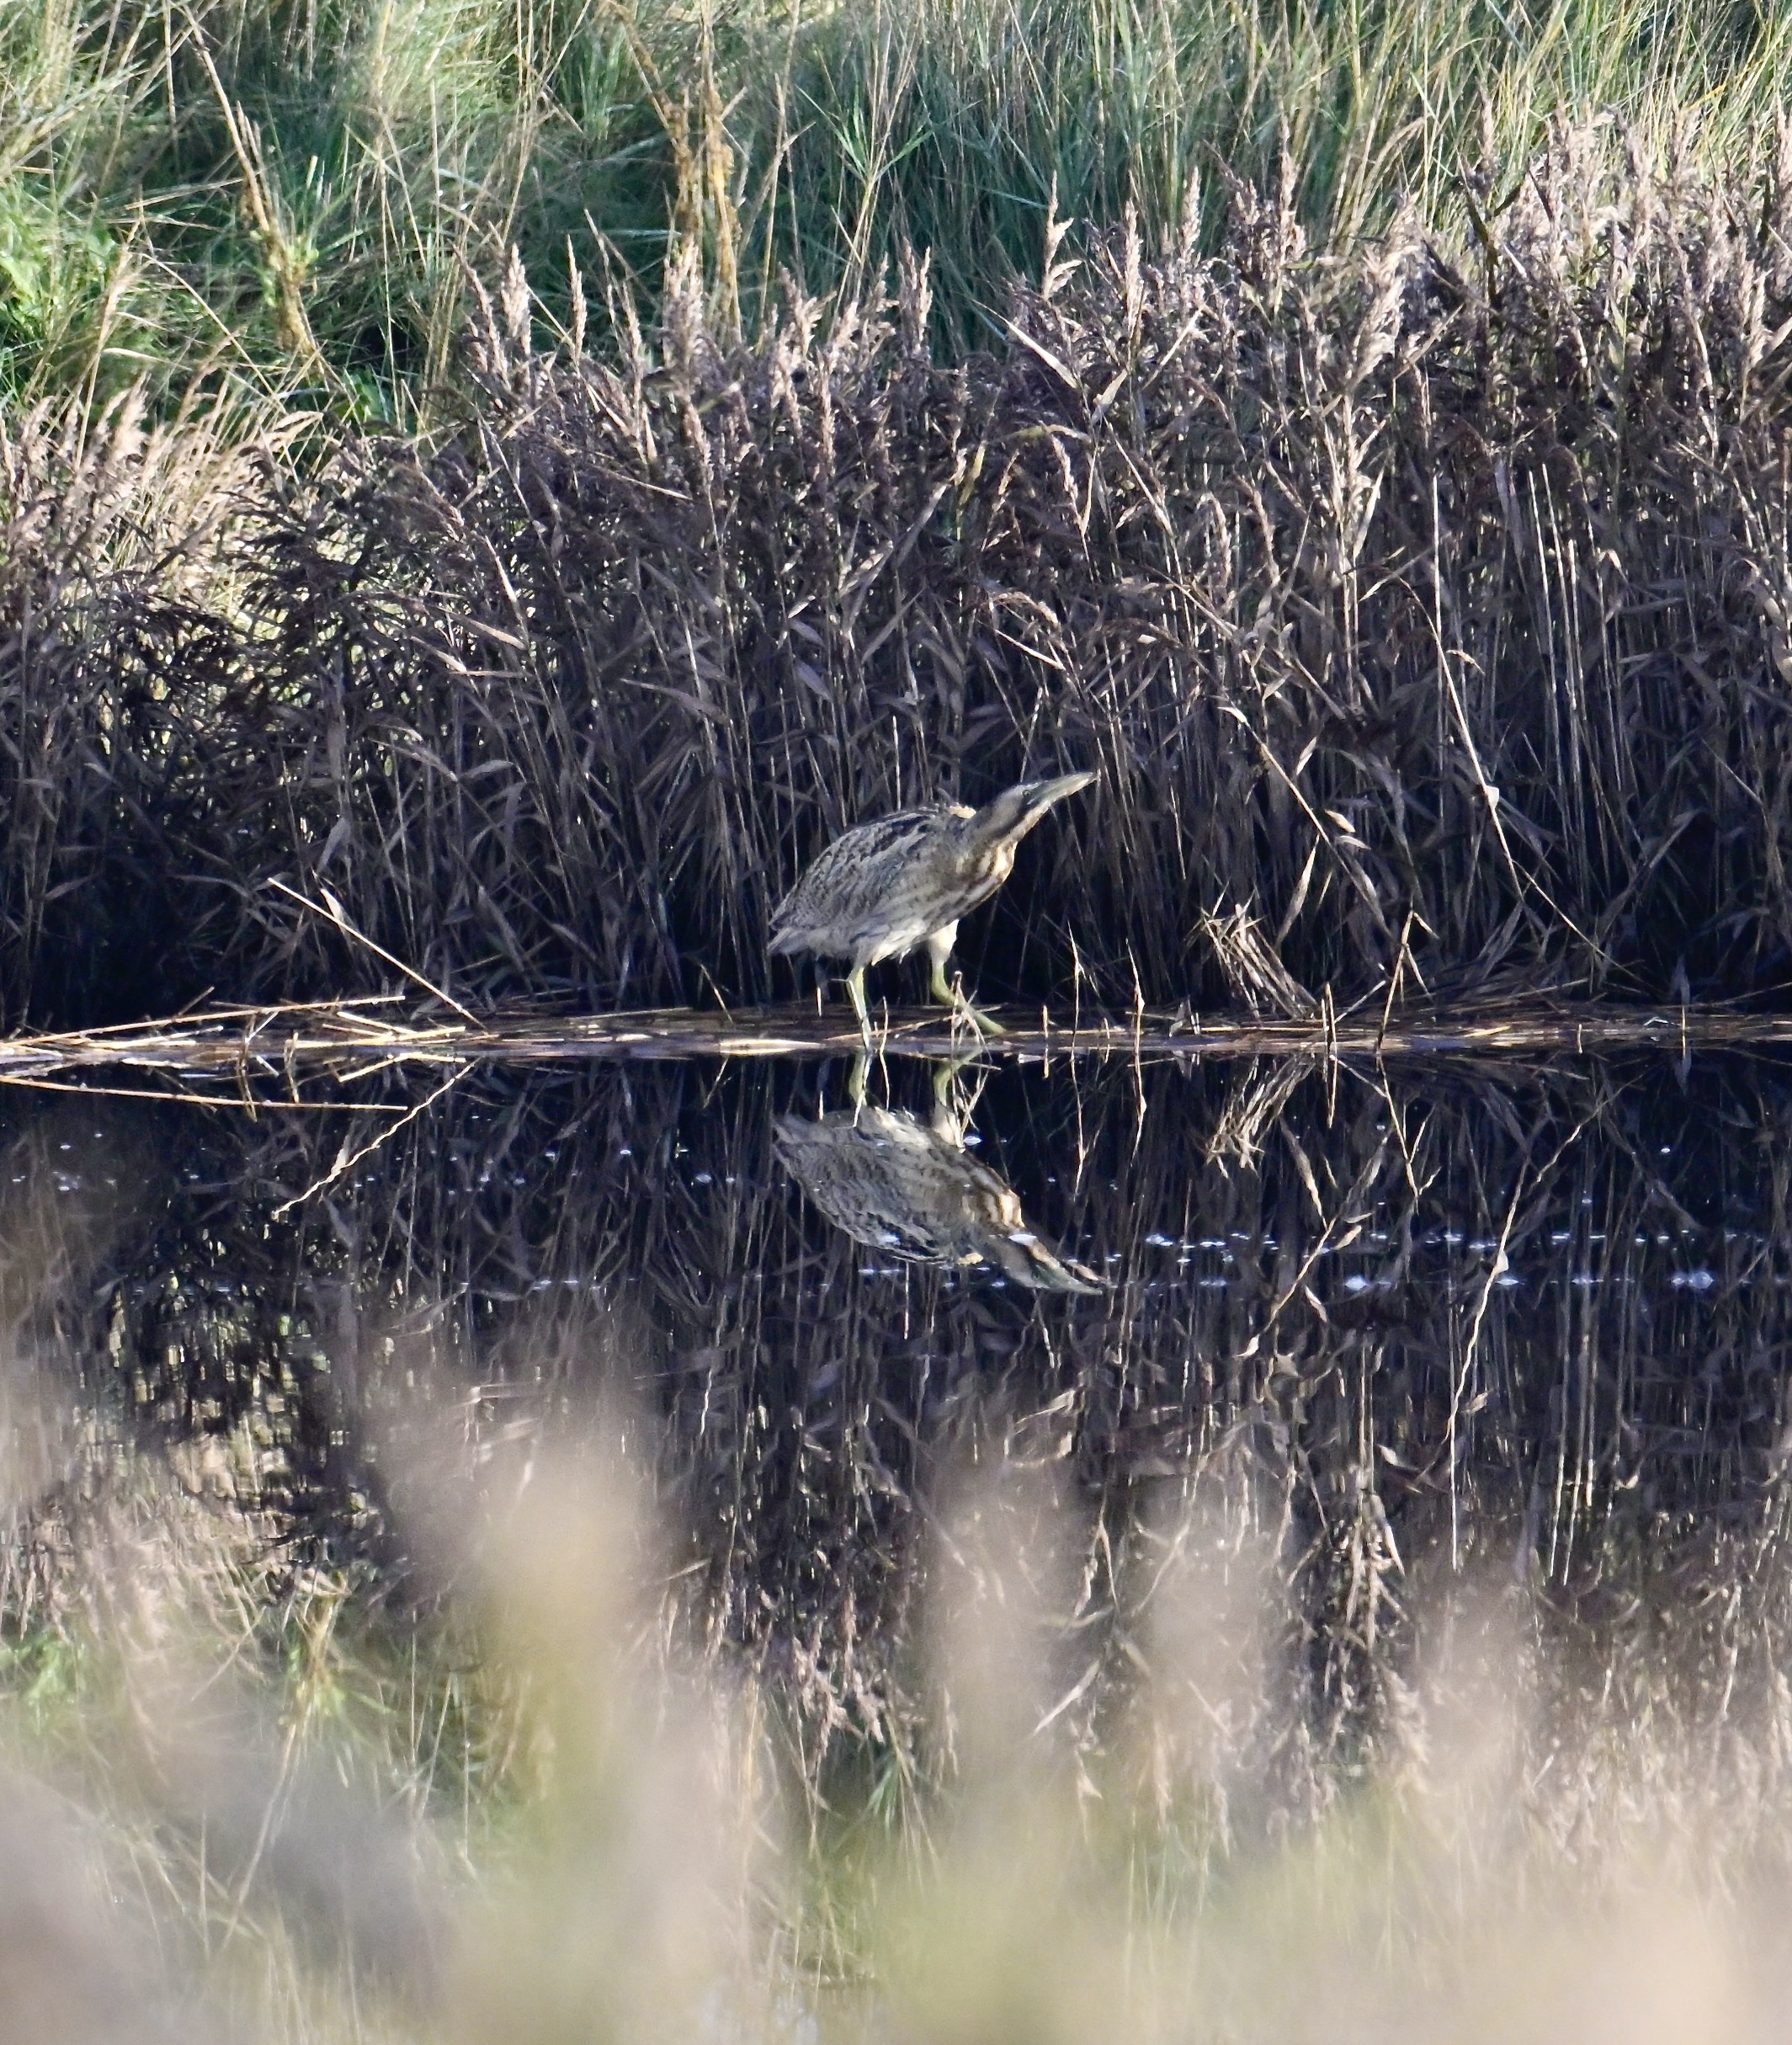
(890, 1183)
(851, 878)
(868, 1173)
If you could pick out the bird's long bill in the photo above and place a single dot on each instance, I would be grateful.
(1036, 797)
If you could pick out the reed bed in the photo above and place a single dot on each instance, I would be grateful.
(1424, 618)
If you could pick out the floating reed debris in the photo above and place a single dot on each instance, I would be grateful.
(1426, 612)
(261, 1055)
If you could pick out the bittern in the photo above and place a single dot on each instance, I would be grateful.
(906, 880)
(915, 1193)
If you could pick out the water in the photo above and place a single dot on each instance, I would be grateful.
(1412, 1445)
(1531, 1304)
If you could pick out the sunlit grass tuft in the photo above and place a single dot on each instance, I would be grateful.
(536, 1806)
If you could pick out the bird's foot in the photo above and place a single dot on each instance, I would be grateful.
(984, 1024)
(952, 994)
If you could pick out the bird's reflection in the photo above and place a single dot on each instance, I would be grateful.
(912, 1190)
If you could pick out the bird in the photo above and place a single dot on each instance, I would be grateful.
(905, 880)
(910, 1190)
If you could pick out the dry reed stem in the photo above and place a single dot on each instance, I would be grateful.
(335, 1046)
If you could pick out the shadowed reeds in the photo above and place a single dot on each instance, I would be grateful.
(1426, 619)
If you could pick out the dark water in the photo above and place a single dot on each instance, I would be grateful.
(1535, 1318)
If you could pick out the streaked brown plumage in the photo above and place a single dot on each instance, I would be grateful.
(886, 887)
(912, 1191)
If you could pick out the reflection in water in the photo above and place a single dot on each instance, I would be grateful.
(1536, 1324)
(912, 1190)
(1418, 1408)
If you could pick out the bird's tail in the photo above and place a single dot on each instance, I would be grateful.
(786, 924)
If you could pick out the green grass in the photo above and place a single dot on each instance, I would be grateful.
(287, 197)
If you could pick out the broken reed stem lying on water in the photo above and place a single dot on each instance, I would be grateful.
(1434, 607)
(261, 1067)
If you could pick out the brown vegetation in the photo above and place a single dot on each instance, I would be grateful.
(1426, 620)
(1220, 1655)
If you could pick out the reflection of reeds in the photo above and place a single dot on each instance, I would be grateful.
(1328, 1326)
(1252, 1110)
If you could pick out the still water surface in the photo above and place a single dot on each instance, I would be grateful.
(1537, 1300)
(1317, 1368)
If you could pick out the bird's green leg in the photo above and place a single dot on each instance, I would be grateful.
(961, 1004)
(939, 950)
(939, 946)
(978, 1019)
(855, 986)
(952, 1102)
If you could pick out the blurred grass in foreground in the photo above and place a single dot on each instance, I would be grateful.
(284, 200)
(269, 1804)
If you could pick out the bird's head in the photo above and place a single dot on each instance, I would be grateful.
(1016, 810)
